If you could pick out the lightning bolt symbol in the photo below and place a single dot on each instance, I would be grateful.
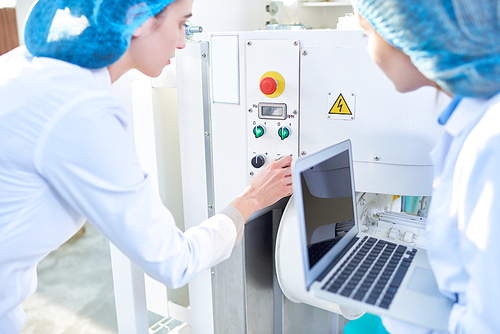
(340, 106)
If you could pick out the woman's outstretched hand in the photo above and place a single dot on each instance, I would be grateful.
(269, 185)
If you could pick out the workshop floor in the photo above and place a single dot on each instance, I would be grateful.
(75, 290)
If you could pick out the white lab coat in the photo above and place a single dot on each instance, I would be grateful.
(464, 218)
(66, 153)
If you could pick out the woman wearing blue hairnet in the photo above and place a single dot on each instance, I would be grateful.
(455, 46)
(66, 151)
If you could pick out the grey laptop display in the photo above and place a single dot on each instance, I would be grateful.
(348, 267)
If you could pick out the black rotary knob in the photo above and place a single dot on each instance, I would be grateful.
(258, 161)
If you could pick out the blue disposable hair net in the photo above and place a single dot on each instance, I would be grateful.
(88, 33)
(455, 43)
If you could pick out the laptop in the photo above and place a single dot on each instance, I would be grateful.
(347, 267)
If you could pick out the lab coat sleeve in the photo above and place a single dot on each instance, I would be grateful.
(394, 326)
(476, 186)
(88, 158)
(238, 219)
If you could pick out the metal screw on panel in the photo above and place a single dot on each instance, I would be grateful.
(272, 8)
(250, 110)
(203, 55)
(295, 112)
(304, 52)
(303, 153)
(376, 158)
(296, 43)
(210, 207)
(251, 173)
(249, 43)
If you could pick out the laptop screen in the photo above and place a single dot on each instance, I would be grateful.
(326, 205)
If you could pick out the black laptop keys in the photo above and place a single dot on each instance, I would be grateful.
(372, 272)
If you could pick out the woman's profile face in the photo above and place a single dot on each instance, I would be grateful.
(396, 64)
(155, 42)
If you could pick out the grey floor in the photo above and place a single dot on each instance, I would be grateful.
(75, 291)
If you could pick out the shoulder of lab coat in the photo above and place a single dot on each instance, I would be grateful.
(87, 155)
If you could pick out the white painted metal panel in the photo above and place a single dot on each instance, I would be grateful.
(391, 133)
(130, 294)
(192, 141)
(225, 69)
(280, 56)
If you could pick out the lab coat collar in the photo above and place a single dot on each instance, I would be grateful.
(448, 111)
(466, 112)
(103, 76)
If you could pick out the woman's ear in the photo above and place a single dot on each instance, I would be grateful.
(138, 31)
(144, 28)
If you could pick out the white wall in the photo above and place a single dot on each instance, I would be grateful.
(238, 15)
(22, 8)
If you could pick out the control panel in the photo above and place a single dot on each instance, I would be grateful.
(272, 88)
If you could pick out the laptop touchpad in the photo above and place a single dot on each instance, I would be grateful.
(422, 280)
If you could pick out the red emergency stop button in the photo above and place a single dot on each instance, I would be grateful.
(268, 85)
(272, 84)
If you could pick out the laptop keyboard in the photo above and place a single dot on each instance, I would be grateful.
(318, 250)
(372, 273)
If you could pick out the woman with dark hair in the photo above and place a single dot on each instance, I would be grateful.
(66, 153)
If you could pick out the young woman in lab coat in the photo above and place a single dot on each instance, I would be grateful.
(455, 47)
(66, 153)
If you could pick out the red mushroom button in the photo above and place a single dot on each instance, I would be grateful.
(268, 85)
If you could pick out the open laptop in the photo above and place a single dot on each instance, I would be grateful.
(351, 268)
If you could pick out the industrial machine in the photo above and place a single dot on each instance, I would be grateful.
(247, 98)
(266, 94)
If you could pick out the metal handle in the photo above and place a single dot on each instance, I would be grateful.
(191, 30)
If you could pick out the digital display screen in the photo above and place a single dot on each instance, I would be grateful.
(328, 209)
(272, 110)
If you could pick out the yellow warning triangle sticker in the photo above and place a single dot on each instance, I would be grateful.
(340, 107)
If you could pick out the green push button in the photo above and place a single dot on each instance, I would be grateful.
(258, 131)
(283, 132)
